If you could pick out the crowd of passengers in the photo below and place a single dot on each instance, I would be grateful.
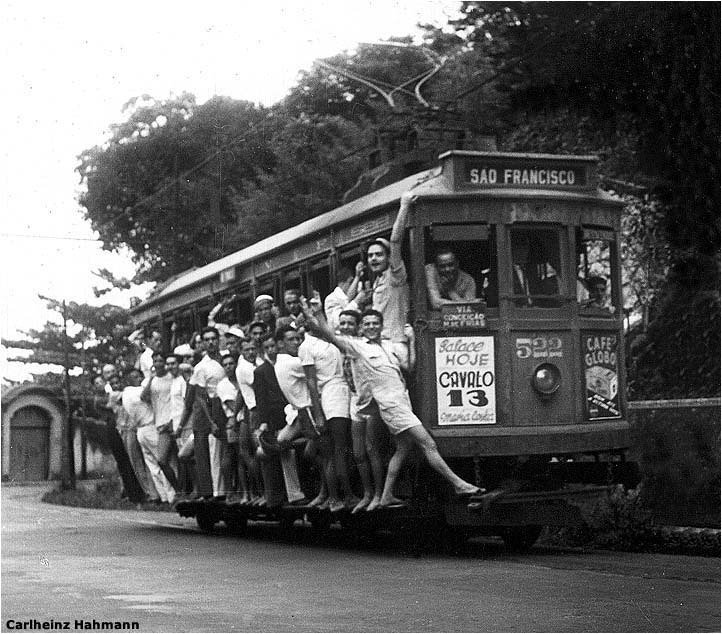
(220, 417)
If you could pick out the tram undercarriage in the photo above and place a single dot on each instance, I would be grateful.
(522, 496)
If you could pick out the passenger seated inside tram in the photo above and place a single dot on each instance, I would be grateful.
(594, 270)
(598, 298)
(446, 283)
(533, 275)
(460, 264)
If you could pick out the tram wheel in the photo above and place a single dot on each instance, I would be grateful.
(454, 538)
(237, 525)
(320, 522)
(205, 522)
(520, 538)
(286, 524)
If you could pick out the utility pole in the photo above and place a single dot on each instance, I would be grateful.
(68, 454)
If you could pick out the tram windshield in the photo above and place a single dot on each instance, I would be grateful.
(460, 264)
(536, 267)
(594, 270)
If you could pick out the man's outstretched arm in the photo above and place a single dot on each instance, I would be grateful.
(318, 325)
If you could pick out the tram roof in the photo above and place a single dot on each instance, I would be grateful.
(429, 183)
(346, 212)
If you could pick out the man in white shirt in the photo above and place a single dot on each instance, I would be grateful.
(153, 343)
(160, 447)
(366, 451)
(390, 282)
(346, 295)
(248, 423)
(323, 365)
(138, 414)
(377, 373)
(307, 419)
(207, 373)
(233, 478)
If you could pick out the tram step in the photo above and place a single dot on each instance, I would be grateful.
(503, 496)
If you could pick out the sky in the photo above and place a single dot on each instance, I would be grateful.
(68, 68)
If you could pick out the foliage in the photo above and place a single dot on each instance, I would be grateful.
(316, 163)
(637, 84)
(163, 183)
(103, 494)
(396, 68)
(678, 357)
(657, 63)
(100, 337)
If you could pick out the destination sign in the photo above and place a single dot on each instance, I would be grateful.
(489, 172)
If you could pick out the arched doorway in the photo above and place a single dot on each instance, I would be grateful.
(29, 444)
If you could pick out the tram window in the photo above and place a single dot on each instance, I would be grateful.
(460, 264)
(320, 277)
(536, 267)
(292, 280)
(184, 327)
(244, 308)
(594, 270)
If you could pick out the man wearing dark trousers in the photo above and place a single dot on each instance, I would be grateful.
(201, 389)
(270, 404)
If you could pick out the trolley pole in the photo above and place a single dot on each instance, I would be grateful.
(68, 455)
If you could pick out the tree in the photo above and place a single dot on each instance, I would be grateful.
(638, 84)
(316, 162)
(100, 337)
(649, 69)
(163, 183)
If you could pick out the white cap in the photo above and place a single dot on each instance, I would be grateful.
(183, 350)
(236, 332)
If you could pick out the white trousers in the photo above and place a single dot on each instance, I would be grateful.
(148, 441)
(214, 447)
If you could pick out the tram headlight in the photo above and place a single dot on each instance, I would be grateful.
(546, 379)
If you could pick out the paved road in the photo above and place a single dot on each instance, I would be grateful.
(154, 568)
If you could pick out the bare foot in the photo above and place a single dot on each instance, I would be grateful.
(350, 501)
(318, 500)
(363, 503)
(390, 501)
(374, 504)
(335, 505)
(468, 489)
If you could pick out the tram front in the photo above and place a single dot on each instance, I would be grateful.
(518, 313)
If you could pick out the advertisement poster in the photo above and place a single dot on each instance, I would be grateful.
(465, 380)
(600, 373)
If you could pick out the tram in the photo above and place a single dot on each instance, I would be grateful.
(522, 387)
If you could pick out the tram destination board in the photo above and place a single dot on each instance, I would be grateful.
(500, 172)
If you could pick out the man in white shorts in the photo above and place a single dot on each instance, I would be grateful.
(307, 420)
(323, 364)
(378, 375)
(366, 451)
